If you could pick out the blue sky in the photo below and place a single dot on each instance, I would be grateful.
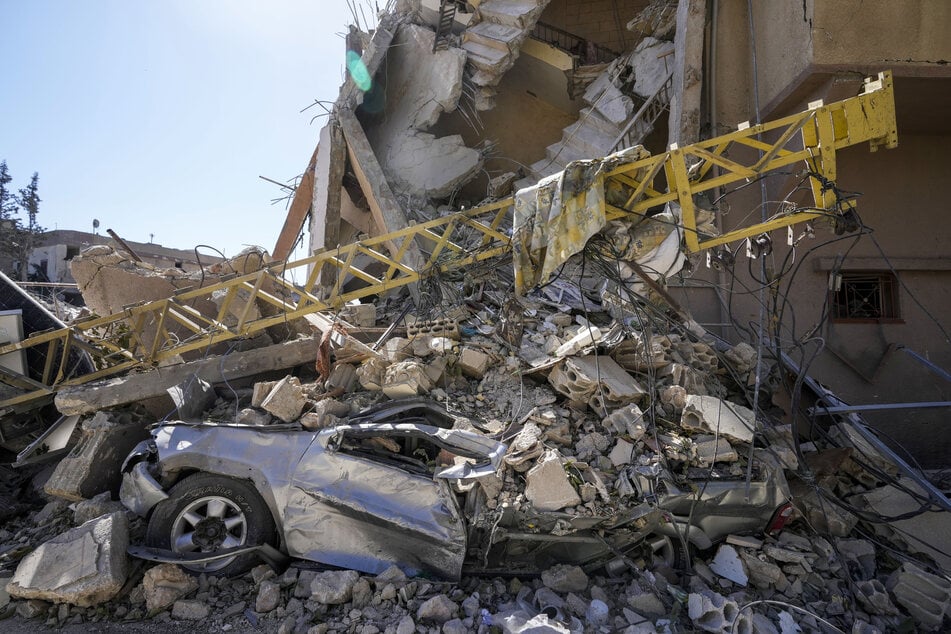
(157, 117)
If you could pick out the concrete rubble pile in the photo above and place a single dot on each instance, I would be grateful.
(608, 401)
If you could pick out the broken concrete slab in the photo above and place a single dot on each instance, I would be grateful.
(406, 378)
(926, 532)
(84, 566)
(132, 388)
(286, 399)
(92, 466)
(711, 414)
(547, 486)
(728, 564)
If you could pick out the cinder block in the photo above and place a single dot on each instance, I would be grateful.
(473, 363)
(713, 612)
(925, 596)
(434, 328)
(93, 464)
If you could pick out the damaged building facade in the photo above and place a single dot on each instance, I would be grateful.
(547, 333)
(514, 91)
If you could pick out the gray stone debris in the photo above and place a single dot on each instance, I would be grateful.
(165, 584)
(286, 399)
(333, 587)
(84, 566)
(547, 486)
(565, 578)
(438, 609)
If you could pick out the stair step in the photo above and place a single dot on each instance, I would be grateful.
(590, 138)
(565, 153)
(517, 13)
(485, 57)
(593, 119)
(546, 167)
(503, 37)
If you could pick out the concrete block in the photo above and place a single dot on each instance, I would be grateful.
(260, 392)
(628, 419)
(84, 566)
(547, 486)
(473, 363)
(405, 379)
(713, 612)
(286, 399)
(101, 504)
(728, 564)
(585, 337)
(343, 376)
(874, 598)
(597, 380)
(925, 596)
(165, 584)
(192, 397)
(711, 414)
(448, 328)
(92, 466)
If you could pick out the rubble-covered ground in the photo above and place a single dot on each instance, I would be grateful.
(554, 382)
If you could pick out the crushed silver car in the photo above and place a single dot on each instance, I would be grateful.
(403, 483)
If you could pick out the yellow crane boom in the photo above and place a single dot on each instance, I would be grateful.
(118, 342)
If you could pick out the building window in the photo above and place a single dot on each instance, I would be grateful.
(865, 296)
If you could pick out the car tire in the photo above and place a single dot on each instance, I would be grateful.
(205, 513)
(669, 551)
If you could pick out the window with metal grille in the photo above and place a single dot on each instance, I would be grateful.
(865, 296)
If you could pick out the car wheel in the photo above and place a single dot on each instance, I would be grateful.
(669, 551)
(206, 513)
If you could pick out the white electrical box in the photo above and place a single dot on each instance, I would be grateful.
(11, 331)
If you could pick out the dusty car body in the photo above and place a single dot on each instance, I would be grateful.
(395, 484)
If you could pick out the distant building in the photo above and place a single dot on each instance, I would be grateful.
(49, 262)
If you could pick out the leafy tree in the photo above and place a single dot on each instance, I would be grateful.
(28, 200)
(9, 223)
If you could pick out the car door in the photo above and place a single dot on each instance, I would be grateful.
(350, 510)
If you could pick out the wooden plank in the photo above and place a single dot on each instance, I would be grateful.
(297, 213)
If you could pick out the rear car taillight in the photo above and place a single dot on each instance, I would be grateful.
(779, 519)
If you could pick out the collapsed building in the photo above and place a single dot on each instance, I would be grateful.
(510, 217)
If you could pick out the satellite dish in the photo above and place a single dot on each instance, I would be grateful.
(95, 224)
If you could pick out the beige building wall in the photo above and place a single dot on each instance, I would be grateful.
(821, 50)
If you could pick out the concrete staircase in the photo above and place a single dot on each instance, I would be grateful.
(603, 127)
(493, 43)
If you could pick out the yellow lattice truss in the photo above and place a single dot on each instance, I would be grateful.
(147, 334)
